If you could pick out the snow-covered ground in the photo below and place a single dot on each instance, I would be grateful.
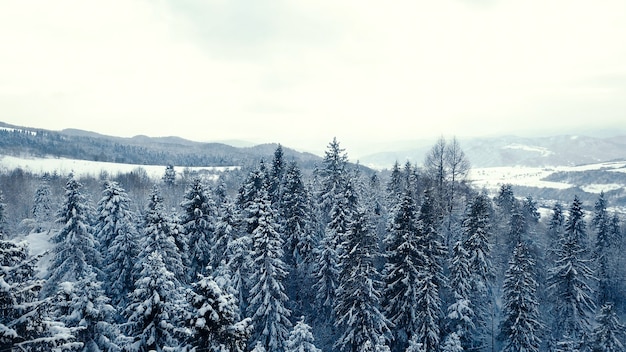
(64, 166)
(491, 178)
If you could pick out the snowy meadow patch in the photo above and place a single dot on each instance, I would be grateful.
(82, 168)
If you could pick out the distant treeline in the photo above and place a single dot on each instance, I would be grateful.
(137, 150)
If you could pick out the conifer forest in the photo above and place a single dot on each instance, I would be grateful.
(278, 258)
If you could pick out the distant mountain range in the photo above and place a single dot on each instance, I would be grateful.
(144, 150)
(565, 150)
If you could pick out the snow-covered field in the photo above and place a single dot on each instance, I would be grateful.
(491, 178)
(80, 168)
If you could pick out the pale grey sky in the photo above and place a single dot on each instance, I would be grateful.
(301, 72)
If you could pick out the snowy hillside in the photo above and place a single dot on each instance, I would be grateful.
(559, 183)
(81, 168)
(516, 151)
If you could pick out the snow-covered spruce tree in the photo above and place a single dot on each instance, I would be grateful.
(396, 186)
(90, 315)
(531, 213)
(332, 177)
(113, 215)
(476, 234)
(618, 263)
(74, 253)
(258, 348)
(169, 176)
(569, 282)
(159, 236)
(431, 280)
(301, 339)
(326, 276)
(556, 228)
(296, 213)
(198, 224)
(460, 312)
(267, 303)
(246, 217)
(333, 215)
(154, 308)
(42, 207)
(603, 250)
(118, 237)
(609, 334)
(25, 320)
(300, 238)
(276, 175)
(358, 297)
(518, 227)
(238, 263)
(3, 220)
(225, 231)
(215, 321)
(505, 199)
(328, 265)
(405, 258)
(249, 192)
(452, 343)
(520, 327)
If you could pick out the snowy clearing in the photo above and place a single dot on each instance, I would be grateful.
(91, 168)
(491, 178)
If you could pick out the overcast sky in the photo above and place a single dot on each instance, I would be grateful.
(301, 72)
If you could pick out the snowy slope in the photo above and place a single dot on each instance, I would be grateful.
(491, 178)
(80, 168)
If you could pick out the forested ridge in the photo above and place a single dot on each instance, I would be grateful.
(271, 258)
(142, 150)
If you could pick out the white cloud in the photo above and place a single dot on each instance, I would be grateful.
(303, 72)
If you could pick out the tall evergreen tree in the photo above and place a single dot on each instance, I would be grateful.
(249, 190)
(405, 258)
(556, 229)
(460, 313)
(226, 227)
(117, 235)
(296, 212)
(300, 237)
(609, 333)
(395, 186)
(358, 296)
(333, 176)
(3, 217)
(429, 312)
(326, 275)
(198, 226)
(154, 307)
(569, 281)
(602, 251)
(267, 293)
(331, 247)
(476, 234)
(215, 320)
(42, 207)
(159, 235)
(74, 253)
(301, 339)
(88, 312)
(276, 175)
(25, 320)
(521, 327)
